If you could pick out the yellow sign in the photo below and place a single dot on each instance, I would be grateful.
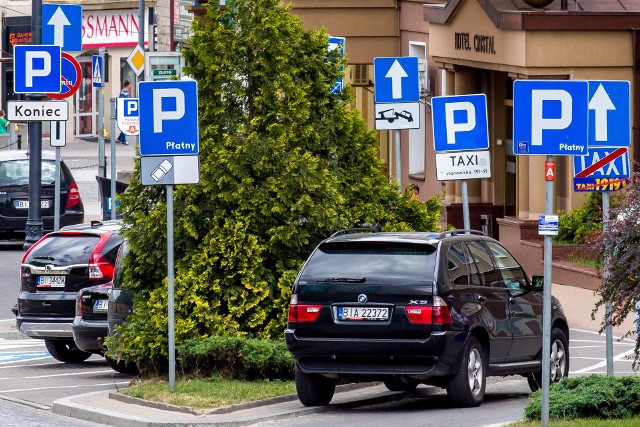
(136, 59)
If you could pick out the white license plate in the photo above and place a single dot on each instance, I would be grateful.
(51, 281)
(363, 313)
(24, 204)
(101, 305)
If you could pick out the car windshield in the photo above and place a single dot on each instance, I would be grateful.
(370, 263)
(16, 172)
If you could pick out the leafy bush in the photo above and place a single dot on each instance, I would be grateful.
(579, 225)
(591, 396)
(235, 358)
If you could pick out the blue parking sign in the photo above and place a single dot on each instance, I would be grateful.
(168, 117)
(460, 122)
(550, 117)
(37, 69)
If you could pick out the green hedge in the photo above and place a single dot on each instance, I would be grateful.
(591, 396)
(235, 358)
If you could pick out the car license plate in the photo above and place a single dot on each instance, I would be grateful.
(363, 313)
(51, 281)
(101, 305)
(24, 204)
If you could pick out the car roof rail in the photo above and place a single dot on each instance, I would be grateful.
(365, 228)
(459, 231)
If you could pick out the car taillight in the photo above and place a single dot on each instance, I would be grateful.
(79, 311)
(73, 196)
(436, 314)
(99, 267)
(304, 312)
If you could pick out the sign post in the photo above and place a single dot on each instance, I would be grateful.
(168, 126)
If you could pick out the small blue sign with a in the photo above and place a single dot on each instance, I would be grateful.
(609, 113)
(396, 79)
(550, 117)
(548, 225)
(97, 70)
(602, 169)
(62, 26)
(337, 43)
(460, 123)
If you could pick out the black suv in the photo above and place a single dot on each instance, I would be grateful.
(53, 270)
(444, 309)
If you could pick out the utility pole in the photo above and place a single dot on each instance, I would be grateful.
(34, 228)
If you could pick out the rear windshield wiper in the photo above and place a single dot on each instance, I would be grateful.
(343, 279)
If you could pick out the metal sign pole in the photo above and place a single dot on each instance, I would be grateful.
(398, 159)
(56, 200)
(171, 320)
(113, 158)
(101, 155)
(608, 307)
(465, 205)
(546, 307)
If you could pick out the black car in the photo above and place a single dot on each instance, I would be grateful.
(53, 270)
(444, 309)
(14, 193)
(90, 323)
(120, 306)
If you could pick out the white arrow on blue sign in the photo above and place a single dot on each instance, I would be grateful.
(609, 113)
(37, 69)
(396, 79)
(550, 117)
(337, 43)
(168, 118)
(62, 26)
(460, 122)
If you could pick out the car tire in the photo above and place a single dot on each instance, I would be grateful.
(394, 384)
(128, 368)
(559, 361)
(66, 351)
(467, 386)
(314, 389)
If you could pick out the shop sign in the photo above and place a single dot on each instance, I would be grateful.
(110, 28)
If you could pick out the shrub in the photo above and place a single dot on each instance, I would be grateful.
(579, 225)
(591, 396)
(235, 358)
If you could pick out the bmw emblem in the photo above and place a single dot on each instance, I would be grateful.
(362, 299)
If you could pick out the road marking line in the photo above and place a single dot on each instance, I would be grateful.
(17, 390)
(598, 333)
(603, 363)
(596, 341)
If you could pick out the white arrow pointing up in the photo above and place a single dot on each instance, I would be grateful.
(601, 103)
(396, 73)
(59, 21)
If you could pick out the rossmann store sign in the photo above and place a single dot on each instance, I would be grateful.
(110, 28)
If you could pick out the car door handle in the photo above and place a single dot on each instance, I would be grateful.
(482, 298)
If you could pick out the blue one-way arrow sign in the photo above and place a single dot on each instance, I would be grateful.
(396, 79)
(609, 113)
(62, 26)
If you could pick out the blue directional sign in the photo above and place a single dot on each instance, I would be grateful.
(602, 169)
(609, 113)
(37, 69)
(396, 79)
(168, 117)
(337, 43)
(460, 122)
(62, 26)
(550, 117)
(97, 70)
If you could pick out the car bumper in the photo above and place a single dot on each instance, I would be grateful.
(88, 335)
(435, 356)
(44, 327)
(18, 224)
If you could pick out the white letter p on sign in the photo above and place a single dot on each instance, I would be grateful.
(160, 115)
(538, 123)
(31, 71)
(452, 127)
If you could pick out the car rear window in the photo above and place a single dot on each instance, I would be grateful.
(16, 172)
(371, 263)
(65, 250)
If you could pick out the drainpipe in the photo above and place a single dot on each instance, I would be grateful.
(635, 125)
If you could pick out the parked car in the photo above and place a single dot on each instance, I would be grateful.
(444, 309)
(89, 325)
(119, 307)
(53, 270)
(14, 193)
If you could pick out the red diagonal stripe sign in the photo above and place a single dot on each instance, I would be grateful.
(602, 162)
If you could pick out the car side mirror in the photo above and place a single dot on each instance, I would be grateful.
(538, 283)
